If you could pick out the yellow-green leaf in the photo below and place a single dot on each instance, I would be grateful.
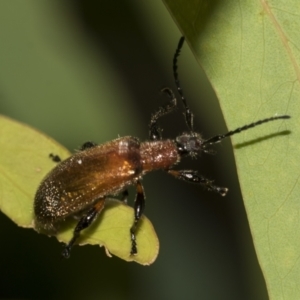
(250, 52)
(25, 161)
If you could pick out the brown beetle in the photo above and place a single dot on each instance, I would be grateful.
(80, 184)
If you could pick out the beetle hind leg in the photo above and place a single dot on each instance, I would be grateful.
(55, 157)
(124, 196)
(83, 223)
(87, 145)
(139, 207)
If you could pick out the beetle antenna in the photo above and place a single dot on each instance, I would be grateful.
(218, 138)
(189, 116)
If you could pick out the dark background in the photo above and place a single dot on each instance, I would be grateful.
(92, 70)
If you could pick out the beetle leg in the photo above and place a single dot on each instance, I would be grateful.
(87, 145)
(124, 196)
(83, 223)
(139, 206)
(154, 130)
(54, 157)
(194, 177)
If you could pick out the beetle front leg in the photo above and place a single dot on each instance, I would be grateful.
(83, 223)
(193, 177)
(139, 206)
(154, 130)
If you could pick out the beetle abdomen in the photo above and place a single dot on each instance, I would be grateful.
(76, 183)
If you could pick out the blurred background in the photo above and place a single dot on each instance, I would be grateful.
(92, 70)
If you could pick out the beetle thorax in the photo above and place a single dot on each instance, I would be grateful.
(161, 154)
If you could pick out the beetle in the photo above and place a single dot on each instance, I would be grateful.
(80, 185)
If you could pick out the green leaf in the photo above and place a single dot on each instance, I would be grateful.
(25, 161)
(250, 53)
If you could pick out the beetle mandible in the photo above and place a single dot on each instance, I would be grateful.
(80, 184)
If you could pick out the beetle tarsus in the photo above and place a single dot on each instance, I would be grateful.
(66, 252)
(133, 243)
(87, 145)
(55, 158)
